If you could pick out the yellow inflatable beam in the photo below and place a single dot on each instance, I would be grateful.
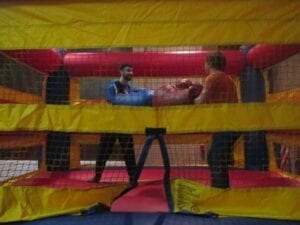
(271, 203)
(29, 203)
(62, 24)
(176, 119)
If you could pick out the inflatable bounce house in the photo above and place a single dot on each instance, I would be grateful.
(103, 119)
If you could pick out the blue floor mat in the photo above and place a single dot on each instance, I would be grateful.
(108, 218)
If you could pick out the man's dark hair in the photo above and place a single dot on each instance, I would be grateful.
(216, 60)
(122, 66)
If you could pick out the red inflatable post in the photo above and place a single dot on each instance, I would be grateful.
(45, 60)
(263, 56)
(235, 62)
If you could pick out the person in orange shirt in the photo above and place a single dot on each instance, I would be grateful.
(219, 88)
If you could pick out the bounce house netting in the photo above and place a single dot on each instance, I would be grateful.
(149, 112)
(71, 124)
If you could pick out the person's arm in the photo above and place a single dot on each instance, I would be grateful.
(111, 93)
(137, 89)
(205, 93)
(202, 98)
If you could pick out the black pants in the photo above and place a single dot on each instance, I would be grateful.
(107, 142)
(220, 156)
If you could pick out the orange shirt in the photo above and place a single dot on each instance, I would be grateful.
(220, 88)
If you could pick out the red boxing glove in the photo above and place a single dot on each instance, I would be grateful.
(183, 84)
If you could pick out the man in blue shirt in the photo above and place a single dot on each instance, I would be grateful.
(117, 94)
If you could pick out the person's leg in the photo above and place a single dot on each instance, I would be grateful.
(216, 162)
(105, 149)
(126, 142)
(219, 157)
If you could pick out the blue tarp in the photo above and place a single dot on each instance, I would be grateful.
(107, 218)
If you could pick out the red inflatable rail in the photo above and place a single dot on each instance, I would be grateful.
(263, 56)
(5, 101)
(157, 64)
(46, 60)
